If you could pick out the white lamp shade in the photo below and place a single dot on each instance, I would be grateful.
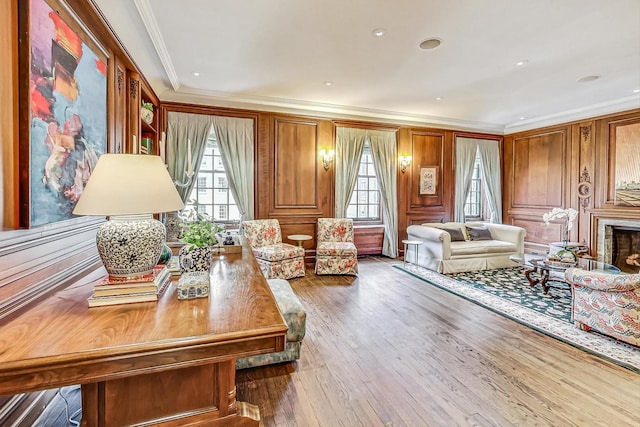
(125, 184)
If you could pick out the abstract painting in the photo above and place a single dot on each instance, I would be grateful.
(67, 110)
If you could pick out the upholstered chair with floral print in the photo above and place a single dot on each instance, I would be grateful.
(335, 252)
(277, 260)
(607, 303)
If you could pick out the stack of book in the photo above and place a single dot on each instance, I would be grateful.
(119, 290)
(174, 265)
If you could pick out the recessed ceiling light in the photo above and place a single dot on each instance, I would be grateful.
(636, 91)
(379, 32)
(196, 74)
(521, 63)
(328, 83)
(521, 118)
(586, 79)
(430, 43)
(439, 98)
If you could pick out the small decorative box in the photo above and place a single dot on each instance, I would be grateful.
(230, 245)
(193, 284)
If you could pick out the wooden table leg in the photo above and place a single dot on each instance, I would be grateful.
(532, 281)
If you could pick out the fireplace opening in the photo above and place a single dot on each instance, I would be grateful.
(625, 248)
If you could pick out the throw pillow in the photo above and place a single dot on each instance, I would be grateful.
(479, 233)
(456, 234)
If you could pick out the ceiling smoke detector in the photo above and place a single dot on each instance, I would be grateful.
(431, 43)
(586, 79)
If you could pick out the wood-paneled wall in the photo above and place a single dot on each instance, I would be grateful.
(568, 165)
(293, 186)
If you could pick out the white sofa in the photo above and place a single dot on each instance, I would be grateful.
(437, 251)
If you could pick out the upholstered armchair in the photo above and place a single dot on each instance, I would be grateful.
(277, 260)
(607, 303)
(335, 251)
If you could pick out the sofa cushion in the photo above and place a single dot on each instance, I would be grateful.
(474, 247)
(290, 308)
(456, 234)
(479, 233)
(337, 249)
(278, 252)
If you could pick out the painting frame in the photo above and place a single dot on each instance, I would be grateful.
(63, 77)
(627, 165)
(428, 180)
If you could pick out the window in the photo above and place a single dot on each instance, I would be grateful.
(365, 200)
(474, 207)
(211, 190)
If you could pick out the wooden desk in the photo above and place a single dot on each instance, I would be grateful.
(170, 362)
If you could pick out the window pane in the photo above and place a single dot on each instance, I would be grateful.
(373, 197)
(207, 163)
(373, 184)
(362, 197)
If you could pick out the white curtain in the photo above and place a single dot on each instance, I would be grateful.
(490, 157)
(384, 154)
(465, 158)
(235, 139)
(348, 152)
(183, 127)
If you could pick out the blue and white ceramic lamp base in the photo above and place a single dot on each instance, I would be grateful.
(130, 245)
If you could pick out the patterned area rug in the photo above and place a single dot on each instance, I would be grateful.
(507, 292)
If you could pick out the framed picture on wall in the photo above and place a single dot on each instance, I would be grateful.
(63, 110)
(428, 180)
(627, 169)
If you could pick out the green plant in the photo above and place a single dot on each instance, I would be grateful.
(198, 230)
(147, 106)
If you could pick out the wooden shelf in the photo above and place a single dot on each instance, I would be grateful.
(146, 127)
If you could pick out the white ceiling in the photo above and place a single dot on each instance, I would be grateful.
(277, 55)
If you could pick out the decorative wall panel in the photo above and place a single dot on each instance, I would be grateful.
(538, 165)
(427, 151)
(295, 164)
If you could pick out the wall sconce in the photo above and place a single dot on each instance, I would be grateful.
(404, 161)
(327, 158)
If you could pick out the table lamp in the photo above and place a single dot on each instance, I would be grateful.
(129, 189)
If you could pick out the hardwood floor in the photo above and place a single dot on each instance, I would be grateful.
(387, 349)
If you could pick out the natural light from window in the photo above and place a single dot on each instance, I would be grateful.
(365, 200)
(211, 192)
(473, 207)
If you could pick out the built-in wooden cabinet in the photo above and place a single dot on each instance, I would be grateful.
(146, 134)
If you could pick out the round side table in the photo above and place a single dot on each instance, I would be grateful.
(300, 238)
(416, 244)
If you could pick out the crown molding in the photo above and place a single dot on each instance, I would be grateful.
(331, 111)
(618, 105)
(151, 25)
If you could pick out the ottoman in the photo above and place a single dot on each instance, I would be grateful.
(295, 318)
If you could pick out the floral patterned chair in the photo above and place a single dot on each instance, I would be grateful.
(277, 260)
(335, 252)
(607, 303)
